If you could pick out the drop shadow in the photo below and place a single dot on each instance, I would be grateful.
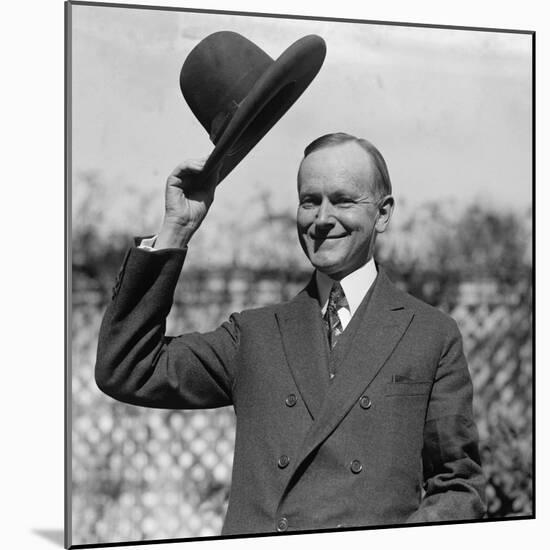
(53, 535)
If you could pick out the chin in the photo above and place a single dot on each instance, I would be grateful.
(324, 265)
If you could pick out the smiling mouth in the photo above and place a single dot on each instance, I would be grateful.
(325, 237)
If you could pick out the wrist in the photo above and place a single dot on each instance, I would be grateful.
(174, 235)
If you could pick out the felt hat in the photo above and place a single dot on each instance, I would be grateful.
(238, 92)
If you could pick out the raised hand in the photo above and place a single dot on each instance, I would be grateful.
(188, 197)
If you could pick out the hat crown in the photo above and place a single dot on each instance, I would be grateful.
(218, 74)
(238, 93)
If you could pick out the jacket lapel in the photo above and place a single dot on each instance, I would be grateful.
(379, 325)
(306, 347)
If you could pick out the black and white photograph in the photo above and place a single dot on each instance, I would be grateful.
(301, 274)
(269, 274)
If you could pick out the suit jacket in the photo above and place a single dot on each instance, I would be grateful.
(389, 440)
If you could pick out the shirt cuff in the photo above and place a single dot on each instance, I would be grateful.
(148, 243)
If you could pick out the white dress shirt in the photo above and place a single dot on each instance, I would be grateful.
(355, 286)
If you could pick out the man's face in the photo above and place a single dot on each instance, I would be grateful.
(336, 213)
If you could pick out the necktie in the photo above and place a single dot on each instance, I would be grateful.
(336, 300)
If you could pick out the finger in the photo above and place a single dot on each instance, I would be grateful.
(197, 164)
(187, 166)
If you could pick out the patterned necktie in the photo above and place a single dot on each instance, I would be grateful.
(336, 300)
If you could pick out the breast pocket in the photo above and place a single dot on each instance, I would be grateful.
(407, 388)
(404, 409)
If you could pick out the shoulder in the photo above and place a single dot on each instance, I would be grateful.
(263, 312)
(424, 312)
(298, 305)
(304, 299)
(259, 323)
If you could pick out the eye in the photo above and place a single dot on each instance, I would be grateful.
(344, 202)
(308, 202)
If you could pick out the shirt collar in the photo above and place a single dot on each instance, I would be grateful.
(355, 285)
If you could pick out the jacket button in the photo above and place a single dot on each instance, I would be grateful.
(283, 461)
(365, 402)
(356, 466)
(282, 525)
(291, 400)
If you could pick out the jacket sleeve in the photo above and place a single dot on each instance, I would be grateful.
(453, 480)
(136, 363)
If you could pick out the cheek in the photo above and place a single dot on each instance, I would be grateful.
(305, 244)
(358, 227)
(301, 230)
(303, 220)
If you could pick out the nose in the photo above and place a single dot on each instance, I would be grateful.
(323, 218)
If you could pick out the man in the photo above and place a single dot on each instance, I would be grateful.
(353, 400)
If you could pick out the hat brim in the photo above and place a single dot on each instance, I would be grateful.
(268, 100)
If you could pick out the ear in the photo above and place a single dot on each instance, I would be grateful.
(385, 210)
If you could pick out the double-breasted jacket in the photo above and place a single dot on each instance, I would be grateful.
(390, 439)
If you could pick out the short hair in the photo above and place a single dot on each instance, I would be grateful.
(383, 182)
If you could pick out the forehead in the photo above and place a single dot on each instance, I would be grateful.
(346, 166)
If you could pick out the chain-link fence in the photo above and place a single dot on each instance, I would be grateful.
(141, 474)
